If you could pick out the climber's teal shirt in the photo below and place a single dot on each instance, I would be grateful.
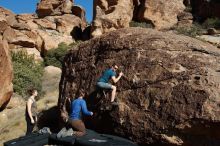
(107, 75)
(77, 106)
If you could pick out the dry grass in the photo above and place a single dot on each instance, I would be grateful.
(14, 126)
(12, 121)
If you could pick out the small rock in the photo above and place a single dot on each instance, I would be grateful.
(212, 31)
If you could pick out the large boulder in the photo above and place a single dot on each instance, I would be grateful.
(111, 15)
(30, 52)
(6, 89)
(5, 12)
(66, 23)
(52, 38)
(80, 12)
(54, 7)
(160, 13)
(21, 26)
(9, 34)
(5, 18)
(3, 23)
(169, 92)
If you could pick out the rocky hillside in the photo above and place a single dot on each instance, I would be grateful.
(170, 90)
(37, 33)
(115, 14)
(6, 88)
(54, 22)
(160, 14)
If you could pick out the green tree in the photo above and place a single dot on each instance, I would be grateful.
(27, 73)
(55, 56)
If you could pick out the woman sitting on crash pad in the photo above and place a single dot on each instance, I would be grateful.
(78, 106)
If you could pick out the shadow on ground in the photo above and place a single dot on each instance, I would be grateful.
(50, 118)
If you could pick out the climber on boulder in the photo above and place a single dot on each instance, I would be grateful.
(104, 79)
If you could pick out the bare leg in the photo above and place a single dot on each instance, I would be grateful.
(113, 93)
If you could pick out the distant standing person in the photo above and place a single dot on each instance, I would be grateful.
(78, 107)
(109, 74)
(31, 111)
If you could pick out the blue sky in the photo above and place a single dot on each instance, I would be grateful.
(29, 6)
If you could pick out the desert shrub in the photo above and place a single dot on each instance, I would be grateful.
(140, 24)
(55, 56)
(193, 31)
(211, 23)
(74, 44)
(27, 73)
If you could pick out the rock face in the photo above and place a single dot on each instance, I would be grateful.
(213, 39)
(185, 19)
(80, 12)
(206, 8)
(161, 13)
(6, 89)
(111, 15)
(54, 7)
(42, 32)
(35, 35)
(170, 90)
(51, 80)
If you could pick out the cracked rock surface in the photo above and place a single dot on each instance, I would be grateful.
(170, 88)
